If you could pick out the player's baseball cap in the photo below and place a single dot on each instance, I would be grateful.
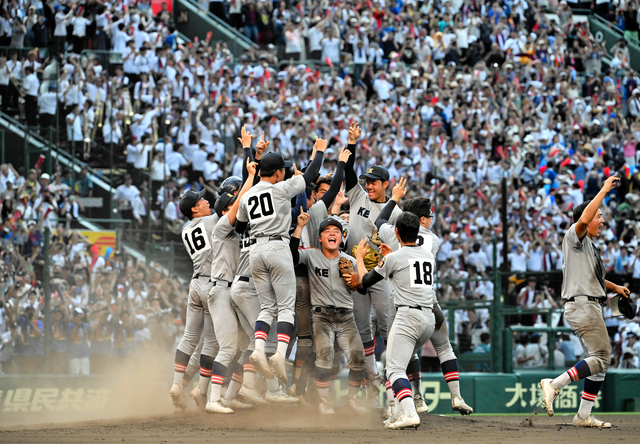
(223, 203)
(624, 306)
(327, 222)
(230, 185)
(273, 161)
(189, 200)
(376, 172)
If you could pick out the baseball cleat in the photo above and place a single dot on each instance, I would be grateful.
(356, 405)
(199, 398)
(235, 403)
(405, 422)
(252, 395)
(458, 405)
(217, 407)
(421, 406)
(259, 360)
(280, 397)
(325, 407)
(388, 410)
(278, 364)
(549, 395)
(177, 396)
(373, 392)
(590, 421)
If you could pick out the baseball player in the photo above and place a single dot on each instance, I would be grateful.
(324, 193)
(225, 248)
(247, 306)
(332, 310)
(584, 289)
(196, 236)
(267, 207)
(410, 271)
(421, 207)
(364, 209)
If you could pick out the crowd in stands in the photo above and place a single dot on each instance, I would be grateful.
(455, 95)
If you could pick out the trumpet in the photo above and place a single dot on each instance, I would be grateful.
(99, 115)
(127, 108)
(87, 135)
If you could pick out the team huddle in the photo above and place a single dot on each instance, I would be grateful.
(277, 261)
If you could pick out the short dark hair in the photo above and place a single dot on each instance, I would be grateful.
(408, 225)
(577, 211)
(484, 337)
(420, 206)
(269, 173)
(322, 180)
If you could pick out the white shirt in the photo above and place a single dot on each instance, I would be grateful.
(47, 103)
(31, 84)
(80, 26)
(159, 170)
(61, 25)
(518, 261)
(331, 49)
(171, 211)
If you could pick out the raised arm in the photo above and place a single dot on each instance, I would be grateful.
(314, 167)
(398, 193)
(351, 179)
(338, 177)
(233, 212)
(245, 139)
(294, 243)
(592, 209)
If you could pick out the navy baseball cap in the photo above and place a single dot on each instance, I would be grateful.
(376, 172)
(189, 200)
(230, 185)
(223, 203)
(274, 161)
(327, 222)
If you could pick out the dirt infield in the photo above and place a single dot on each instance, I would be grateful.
(304, 425)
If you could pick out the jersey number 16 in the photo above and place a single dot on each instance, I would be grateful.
(197, 240)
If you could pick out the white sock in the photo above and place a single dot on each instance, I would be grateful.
(178, 377)
(232, 390)
(282, 348)
(352, 391)
(390, 396)
(585, 408)
(203, 384)
(249, 380)
(323, 392)
(273, 385)
(454, 388)
(561, 381)
(408, 407)
(260, 344)
(216, 389)
(372, 368)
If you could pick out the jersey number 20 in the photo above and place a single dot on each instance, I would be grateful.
(197, 241)
(260, 205)
(422, 273)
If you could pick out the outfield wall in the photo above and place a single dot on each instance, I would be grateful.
(45, 398)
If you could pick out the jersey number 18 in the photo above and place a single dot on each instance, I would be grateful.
(421, 273)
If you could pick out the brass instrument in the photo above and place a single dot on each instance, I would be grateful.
(99, 115)
(86, 146)
(154, 125)
(127, 108)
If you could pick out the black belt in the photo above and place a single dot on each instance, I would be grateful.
(227, 284)
(243, 278)
(201, 276)
(327, 310)
(253, 240)
(415, 307)
(601, 300)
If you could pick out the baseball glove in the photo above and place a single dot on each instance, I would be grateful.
(346, 269)
(371, 259)
(375, 238)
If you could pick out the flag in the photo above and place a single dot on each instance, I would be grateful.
(542, 166)
(328, 62)
(606, 171)
(481, 195)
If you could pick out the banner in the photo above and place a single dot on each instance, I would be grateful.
(103, 239)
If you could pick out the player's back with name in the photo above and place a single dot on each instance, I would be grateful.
(410, 270)
(267, 207)
(327, 286)
(196, 237)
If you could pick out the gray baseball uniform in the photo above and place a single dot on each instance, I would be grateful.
(225, 246)
(583, 282)
(362, 216)
(332, 312)
(318, 213)
(426, 239)
(245, 298)
(267, 208)
(410, 271)
(196, 238)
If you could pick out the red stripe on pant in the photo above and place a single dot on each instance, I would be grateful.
(451, 376)
(404, 393)
(216, 379)
(249, 368)
(180, 368)
(283, 338)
